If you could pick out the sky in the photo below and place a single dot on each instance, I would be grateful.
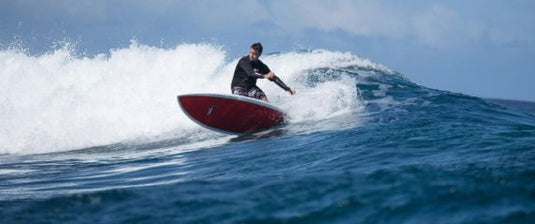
(483, 48)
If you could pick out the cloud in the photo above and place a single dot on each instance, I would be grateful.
(441, 26)
(89, 11)
(432, 25)
(429, 23)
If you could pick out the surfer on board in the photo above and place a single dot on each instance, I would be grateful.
(248, 70)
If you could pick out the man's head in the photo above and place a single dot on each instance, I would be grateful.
(255, 51)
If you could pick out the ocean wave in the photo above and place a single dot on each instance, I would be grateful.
(61, 101)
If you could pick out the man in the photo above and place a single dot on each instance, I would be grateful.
(248, 70)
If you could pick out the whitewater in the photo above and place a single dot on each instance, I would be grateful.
(58, 102)
(101, 138)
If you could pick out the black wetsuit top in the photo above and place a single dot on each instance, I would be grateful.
(246, 73)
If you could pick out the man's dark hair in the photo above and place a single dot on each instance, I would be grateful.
(258, 47)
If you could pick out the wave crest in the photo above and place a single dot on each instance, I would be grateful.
(59, 101)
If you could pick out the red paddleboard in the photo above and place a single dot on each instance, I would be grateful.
(231, 114)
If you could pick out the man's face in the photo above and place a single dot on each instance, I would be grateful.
(253, 54)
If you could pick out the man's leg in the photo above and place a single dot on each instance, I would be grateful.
(239, 91)
(257, 93)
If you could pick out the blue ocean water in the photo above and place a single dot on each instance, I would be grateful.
(363, 144)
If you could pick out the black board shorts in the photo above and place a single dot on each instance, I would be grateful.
(253, 92)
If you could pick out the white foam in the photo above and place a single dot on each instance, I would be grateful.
(58, 102)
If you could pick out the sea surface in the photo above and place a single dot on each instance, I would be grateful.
(101, 139)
